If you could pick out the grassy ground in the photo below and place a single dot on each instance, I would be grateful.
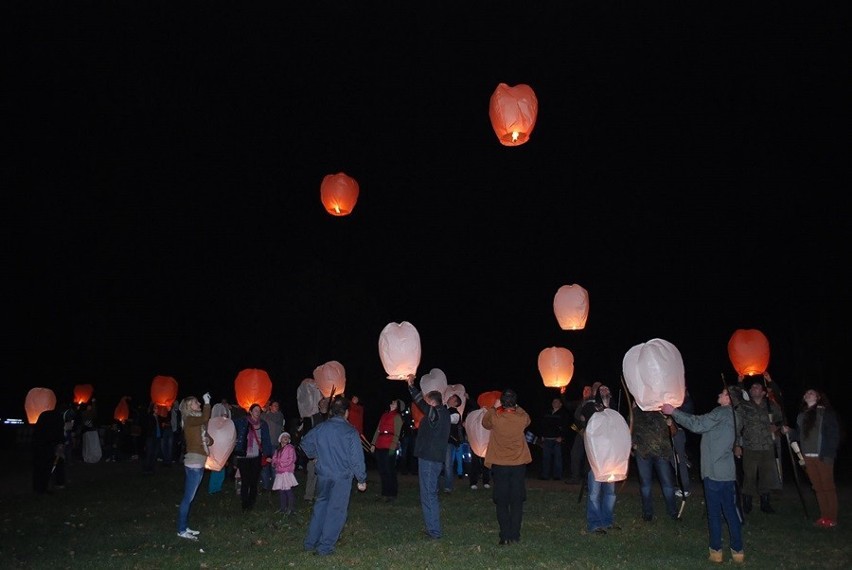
(111, 516)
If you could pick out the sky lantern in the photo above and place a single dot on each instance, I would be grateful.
(654, 374)
(571, 307)
(308, 396)
(122, 411)
(164, 390)
(748, 350)
(513, 111)
(434, 380)
(339, 193)
(38, 400)
(607, 439)
(330, 377)
(252, 386)
(224, 435)
(556, 366)
(487, 399)
(399, 350)
(83, 393)
(477, 436)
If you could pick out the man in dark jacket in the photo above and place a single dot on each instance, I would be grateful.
(48, 440)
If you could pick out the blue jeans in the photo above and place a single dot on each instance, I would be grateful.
(647, 467)
(428, 473)
(721, 499)
(190, 486)
(600, 507)
(449, 464)
(330, 510)
(551, 458)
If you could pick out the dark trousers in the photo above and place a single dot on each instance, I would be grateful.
(509, 493)
(249, 474)
(386, 462)
(152, 447)
(578, 458)
(478, 469)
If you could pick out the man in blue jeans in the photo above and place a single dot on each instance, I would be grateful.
(430, 449)
(652, 449)
(453, 442)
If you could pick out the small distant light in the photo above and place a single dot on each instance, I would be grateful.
(13, 422)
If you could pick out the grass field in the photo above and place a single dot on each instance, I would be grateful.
(111, 516)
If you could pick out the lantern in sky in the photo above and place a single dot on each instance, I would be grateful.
(571, 307)
(434, 380)
(339, 193)
(654, 374)
(38, 400)
(308, 397)
(513, 111)
(83, 393)
(330, 377)
(399, 350)
(607, 439)
(556, 366)
(122, 411)
(164, 391)
(252, 386)
(748, 350)
(477, 436)
(487, 399)
(224, 435)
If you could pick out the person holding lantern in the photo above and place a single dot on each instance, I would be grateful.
(453, 441)
(253, 447)
(194, 420)
(652, 450)
(384, 444)
(600, 504)
(507, 456)
(718, 471)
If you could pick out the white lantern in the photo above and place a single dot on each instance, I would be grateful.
(399, 350)
(607, 439)
(435, 380)
(654, 374)
(556, 366)
(224, 435)
(477, 436)
(308, 396)
(330, 377)
(571, 307)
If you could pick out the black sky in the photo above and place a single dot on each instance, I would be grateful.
(162, 213)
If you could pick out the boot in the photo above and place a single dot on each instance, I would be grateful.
(715, 556)
(737, 557)
(746, 504)
(764, 504)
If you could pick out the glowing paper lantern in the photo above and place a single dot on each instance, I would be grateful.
(308, 397)
(607, 439)
(399, 350)
(83, 393)
(122, 411)
(252, 386)
(456, 390)
(748, 350)
(38, 400)
(339, 193)
(654, 374)
(571, 307)
(477, 436)
(330, 377)
(416, 415)
(513, 111)
(434, 380)
(487, 399)
(224, 435)
(164, 390)
(556, 366)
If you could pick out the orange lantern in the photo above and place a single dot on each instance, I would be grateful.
(487, 399)
(38, 400)
(83, 393)
(339, 193)
(654, 374)
(416, 415)
(748, 350)
(122, 411)
(556, 366)
(330, 377)
(252, 386)
(513, 111)
(164, 390)
(477, 436)
(607, 439)
(399, 350)
(571, 307)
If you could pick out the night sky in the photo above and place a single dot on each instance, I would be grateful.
(162, 214)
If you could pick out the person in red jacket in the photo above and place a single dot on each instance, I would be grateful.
(384, 444)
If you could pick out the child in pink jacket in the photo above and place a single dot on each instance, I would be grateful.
(284, 463)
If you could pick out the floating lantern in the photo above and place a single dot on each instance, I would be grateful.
(556, 366)
(513, 111)
(399, 350)
(339, 193)
(38, 400)
(607, 439)
(330, 377)
(748, 350)
(308, 397)
(435, 380)
(224, 435)
(122, 411)
(164, 390)
(252, 386)
(83, 393)
(654, 374)
(477, 436)
(487, 399)
(571, 307)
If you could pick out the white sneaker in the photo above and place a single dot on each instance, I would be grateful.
(487, 486)
(681, 494)
(195, 532)
(473, 487)
(187, 535)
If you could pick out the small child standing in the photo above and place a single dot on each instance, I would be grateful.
(284, 463)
